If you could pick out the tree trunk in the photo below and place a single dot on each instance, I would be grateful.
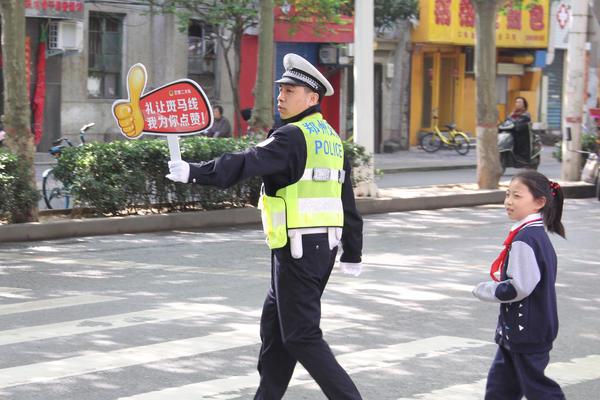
(17, 113)
(233, 71)
(573, 97)
(488, 159)
(400, 91)
(262, 114)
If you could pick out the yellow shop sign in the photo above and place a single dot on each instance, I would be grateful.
(453, 22)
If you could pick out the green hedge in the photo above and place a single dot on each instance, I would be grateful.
(16, 192)
(125, 177)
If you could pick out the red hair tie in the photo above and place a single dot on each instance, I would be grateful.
(554, 186)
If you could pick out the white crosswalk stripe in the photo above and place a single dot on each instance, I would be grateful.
(48, 304)
(241, 335)
(575, 371)
(89, 325)
(380, 358)
(11, 291)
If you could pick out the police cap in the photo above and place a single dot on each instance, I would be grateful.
(299, 72)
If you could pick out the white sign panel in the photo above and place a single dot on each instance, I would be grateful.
(560, 19)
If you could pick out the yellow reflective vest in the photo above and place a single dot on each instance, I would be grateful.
(316, 199)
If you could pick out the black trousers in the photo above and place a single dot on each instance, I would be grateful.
(514, 375)
(289, 326)
(522, 147)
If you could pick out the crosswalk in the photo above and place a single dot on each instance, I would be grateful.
(357, 360)
(578, 370)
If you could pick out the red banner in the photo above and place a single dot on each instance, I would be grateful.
(39, 96)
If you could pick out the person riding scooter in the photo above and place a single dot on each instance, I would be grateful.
(518, 145)
(521, 118)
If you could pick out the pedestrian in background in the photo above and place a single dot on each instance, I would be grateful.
(221, 127)
(521, 119)
(308, 208)
(523, 281)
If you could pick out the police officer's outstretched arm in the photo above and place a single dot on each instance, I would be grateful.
(268, 157)
(352, 234)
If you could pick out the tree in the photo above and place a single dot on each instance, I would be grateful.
(389, 12)
(231, 18)
(392, 20)
(17, 114)
(318, 11)
(262, 114)
(489, 169)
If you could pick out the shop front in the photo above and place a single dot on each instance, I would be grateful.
(443, 64)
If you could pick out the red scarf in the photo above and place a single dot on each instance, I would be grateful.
(499, 262)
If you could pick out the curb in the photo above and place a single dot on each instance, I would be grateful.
(427, 168)
(250, 215)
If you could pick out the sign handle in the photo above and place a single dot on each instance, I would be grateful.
(174, 151)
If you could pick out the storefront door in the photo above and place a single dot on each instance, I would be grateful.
(436, 90)
(447, 84)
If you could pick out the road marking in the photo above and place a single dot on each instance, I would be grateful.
(241, 335)
(12, 291)
(578, 370)
(170, 312)
(227, 388)
(119, 265)
(39, 305)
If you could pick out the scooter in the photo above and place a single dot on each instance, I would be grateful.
(506, 144)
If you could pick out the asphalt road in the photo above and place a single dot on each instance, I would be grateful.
(175, 315)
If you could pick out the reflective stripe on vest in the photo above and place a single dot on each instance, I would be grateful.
(316, 199)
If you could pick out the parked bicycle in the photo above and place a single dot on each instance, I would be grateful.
(56, 194)
(454, 138)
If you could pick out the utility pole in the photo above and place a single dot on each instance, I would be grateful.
(364, 123)
(575, 90)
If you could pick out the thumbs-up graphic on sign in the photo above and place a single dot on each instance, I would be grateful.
(128, 112)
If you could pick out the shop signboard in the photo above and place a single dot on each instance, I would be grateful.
(60, 9)
(453, 22)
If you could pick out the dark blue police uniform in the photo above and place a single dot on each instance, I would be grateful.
(290, 323)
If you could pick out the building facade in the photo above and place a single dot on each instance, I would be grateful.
(443, 78)
(90, 47)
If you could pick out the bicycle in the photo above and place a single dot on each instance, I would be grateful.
(55, 194)
(433, 141)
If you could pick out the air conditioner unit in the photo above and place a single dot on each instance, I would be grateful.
(328, 54)
(65, 35)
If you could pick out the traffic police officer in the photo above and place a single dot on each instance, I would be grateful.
(308, 207)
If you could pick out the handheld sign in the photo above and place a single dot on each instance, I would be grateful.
(176, 109)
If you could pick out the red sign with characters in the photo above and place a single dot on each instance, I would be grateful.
(178, 108)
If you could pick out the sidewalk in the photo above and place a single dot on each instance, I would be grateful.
(417, 159)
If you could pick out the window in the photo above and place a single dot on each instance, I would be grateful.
(201, 49)
(105, 55)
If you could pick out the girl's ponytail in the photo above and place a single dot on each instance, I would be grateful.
(553, 210)
(540, 186)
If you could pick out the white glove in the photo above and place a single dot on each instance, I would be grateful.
(354, 269)
(179, 171)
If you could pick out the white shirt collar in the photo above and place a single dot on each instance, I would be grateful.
(528, 218)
